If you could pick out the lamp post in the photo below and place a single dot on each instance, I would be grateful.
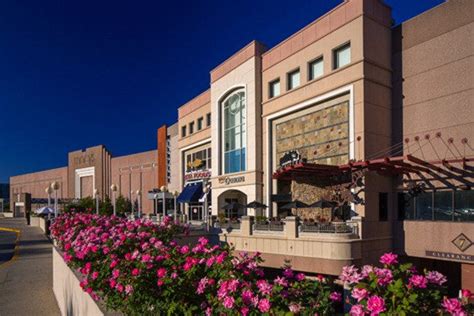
(114, 189)
(175, 214)
(139, 211)
(55, 187)
(164, 189)
(48, 191)
(205, 190)
(96, 195)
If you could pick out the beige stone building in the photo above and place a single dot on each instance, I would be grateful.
(356, 135)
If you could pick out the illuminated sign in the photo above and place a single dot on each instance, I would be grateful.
(195, 175)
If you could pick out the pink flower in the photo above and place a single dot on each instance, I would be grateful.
(264, 287)
(116, 273)
(128, 289)
(135, 272)
(366, 270)
(119, 287)
(350, 275)
(160, 282)
(335, 297)
(184, 250)
(146, 258)
(389, 258)
(466, 293)
(288, 273)
(161, 272)
(95, 275)
(247, 297)
(384, 276)
(294, 308)
(376, 305)
(452, 306)
(228, 302)
(300, 277)
(435, 277)
(202, 285)
(113, 264)
(264, 305)
(357, 310)
(418, 281)
(359, 294)
(244, 311)
(280, 281)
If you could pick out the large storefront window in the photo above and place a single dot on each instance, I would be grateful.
(200, 160)
(464, 206)
(234, 133)
(446, 205)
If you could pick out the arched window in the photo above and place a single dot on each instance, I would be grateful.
(235, 141)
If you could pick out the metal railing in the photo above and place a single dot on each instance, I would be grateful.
(231, 225)
(271, 227)
(329, 228)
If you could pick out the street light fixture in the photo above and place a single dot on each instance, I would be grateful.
(96, 195)
(205, 190)
(55, 187)
(139, 193)
(175, 195)
(164, 189)
(114, 189)
(48, 191)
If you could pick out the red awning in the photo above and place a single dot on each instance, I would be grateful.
(456, 169)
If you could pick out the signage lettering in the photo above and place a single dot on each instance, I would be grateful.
(85, 159)
(229, 180)
(197, 175)
(449, 256)
(290, 158)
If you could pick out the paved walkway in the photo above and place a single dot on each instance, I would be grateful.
(26, 275)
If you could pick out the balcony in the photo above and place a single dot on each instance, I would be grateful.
(322, 248)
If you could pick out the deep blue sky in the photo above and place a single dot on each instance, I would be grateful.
(74, 74)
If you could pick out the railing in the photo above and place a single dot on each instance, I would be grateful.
(231, 225)
(329, 228)
(269, 227)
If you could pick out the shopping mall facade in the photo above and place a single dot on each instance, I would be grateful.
(376, 120)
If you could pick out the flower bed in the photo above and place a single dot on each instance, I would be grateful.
(399, 289)
(137, 267)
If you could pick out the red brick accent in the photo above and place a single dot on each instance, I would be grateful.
(161, 170)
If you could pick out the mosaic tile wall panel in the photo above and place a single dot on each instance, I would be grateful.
(321, 136)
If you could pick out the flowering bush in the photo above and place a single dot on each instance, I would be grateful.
(398, 289)
(138, 267)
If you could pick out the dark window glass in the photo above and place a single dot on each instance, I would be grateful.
(183, 131)
(464, 206)
(200, 123)
(191, 127)
(424, 206)
(402, 206)
(443, 206)
(208, 119)
(383, 206)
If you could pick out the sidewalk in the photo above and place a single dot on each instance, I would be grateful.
(26, 281)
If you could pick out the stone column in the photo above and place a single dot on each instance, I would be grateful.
(291, 227)
(246, 225)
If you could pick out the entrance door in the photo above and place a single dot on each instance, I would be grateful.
(196, 211)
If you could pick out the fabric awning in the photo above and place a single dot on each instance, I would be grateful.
(191, 193)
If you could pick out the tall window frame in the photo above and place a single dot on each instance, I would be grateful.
(234, 132)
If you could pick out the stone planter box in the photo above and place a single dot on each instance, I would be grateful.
(72, 300)
(34, 221)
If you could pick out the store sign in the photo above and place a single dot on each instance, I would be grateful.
(231, 180)
(195, 175)
(462, 242)
(449, 256)
(84, 159)
(290, 158)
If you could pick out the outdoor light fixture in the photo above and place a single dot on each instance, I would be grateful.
(114, 189)
(139, 193)
(164, 189)
(205, 190)
(175, 195)
(96, 195)
(55, 186)
(48, 191)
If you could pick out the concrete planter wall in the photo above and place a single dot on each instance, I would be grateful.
(72, 300)
(34, 221)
